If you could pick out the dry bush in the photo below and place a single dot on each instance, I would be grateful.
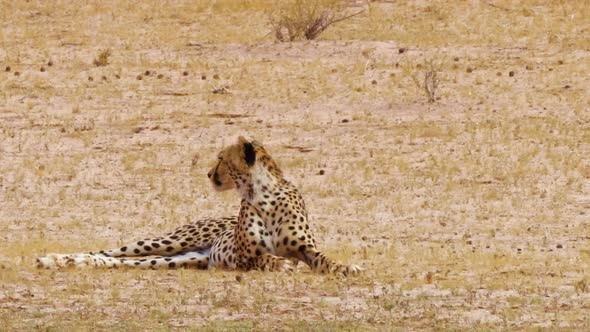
(306, 19)
(102, 59)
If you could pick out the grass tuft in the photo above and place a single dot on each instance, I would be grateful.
(102, 59)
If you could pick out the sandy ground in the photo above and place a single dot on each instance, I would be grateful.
(468, 213)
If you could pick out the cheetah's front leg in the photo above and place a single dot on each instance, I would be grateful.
(272, 263)
(321, 263)
(254, 245)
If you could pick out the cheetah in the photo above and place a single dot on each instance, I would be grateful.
(270, 233)
(273, 229)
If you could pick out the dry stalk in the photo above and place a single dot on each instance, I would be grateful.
(429, 83)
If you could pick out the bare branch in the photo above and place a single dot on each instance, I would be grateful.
(347, 17)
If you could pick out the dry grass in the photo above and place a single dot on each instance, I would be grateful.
(102, 59)
(468, 213)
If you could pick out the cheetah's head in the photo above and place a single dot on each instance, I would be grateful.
(235, 164)
(220, 177)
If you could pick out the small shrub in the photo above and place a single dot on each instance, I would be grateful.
(430, 85)
(102, 58)
(429, 82)
(581, 286)
(306, 19)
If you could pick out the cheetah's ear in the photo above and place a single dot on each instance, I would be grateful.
(249, 152)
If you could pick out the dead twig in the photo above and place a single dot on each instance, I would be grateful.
(498, 7)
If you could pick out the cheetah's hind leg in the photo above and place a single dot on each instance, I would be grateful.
(197, 259)
(195, 236)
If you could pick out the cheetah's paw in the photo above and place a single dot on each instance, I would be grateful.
(285, 265)
(354, 269)
(346, 270)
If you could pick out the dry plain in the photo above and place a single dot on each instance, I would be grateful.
(469, 213)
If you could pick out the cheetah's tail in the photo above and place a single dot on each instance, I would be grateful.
(198, 259)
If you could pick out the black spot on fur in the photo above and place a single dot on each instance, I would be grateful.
(171, 264)
(123, 249)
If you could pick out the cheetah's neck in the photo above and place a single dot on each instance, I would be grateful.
(261, 188)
